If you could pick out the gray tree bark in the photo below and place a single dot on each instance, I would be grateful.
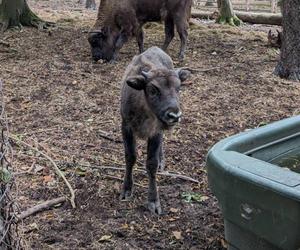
(289, 63)
(90, 4)
(227, 14)
(15, 13)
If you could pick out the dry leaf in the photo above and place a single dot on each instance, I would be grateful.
(174, 210)
(47, 178)
(37, 168)
(204, 198)
(224, 243)
(105, 238)
(177, 235)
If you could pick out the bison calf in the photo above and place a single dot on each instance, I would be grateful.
(149, 105)
(119, 20)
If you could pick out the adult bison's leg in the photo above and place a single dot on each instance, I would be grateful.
(140, 39)
(169, 31)
(182, 26)
(122, 39)
(130, 157)
(154, 145)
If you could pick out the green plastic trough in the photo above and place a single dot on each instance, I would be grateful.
(258, 195)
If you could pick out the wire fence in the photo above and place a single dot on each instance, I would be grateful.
(9, 238)
(243, 5)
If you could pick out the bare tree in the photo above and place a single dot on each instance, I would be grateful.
(226, 13)
(15, 13)
(289, 64)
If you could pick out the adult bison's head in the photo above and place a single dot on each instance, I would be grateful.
(103, 44)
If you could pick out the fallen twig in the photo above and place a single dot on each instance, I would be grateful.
(106, 136)
(120, 179)
(205, 70)
(179, 176)
(164, 173)
(59, 172)
(39, 208)
(37, 131)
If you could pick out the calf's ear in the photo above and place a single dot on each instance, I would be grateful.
(183, 74)
(137, 82)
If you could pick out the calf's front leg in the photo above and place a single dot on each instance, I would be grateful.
(130, 158)
(153, 159)
(162, 164)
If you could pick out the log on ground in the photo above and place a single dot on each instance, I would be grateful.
(250, 17)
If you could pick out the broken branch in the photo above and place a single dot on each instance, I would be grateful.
(40, 207)
(164, 173)
(59, 172)
(120, 179)
(106, 136)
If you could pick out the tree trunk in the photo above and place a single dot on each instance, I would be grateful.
(289, 64)
(90, 4)
(15, 13)
(227, 14)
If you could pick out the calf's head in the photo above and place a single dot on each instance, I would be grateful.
(103, 44)
(161, 88)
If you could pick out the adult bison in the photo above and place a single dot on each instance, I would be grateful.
(119, 20)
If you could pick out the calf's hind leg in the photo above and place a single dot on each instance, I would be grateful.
(130, 158)
(153, 151)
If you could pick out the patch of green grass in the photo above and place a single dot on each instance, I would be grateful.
(193, 197)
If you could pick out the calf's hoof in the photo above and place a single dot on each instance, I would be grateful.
(125, 195)
(155, 207)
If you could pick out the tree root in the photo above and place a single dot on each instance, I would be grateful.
(4, 25)
(233, 21)
(26, 18)
(282, 72)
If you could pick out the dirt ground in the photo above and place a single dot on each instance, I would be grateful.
(61, 102)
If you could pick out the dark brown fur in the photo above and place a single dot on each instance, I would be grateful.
(120, 20)
(149, 105)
